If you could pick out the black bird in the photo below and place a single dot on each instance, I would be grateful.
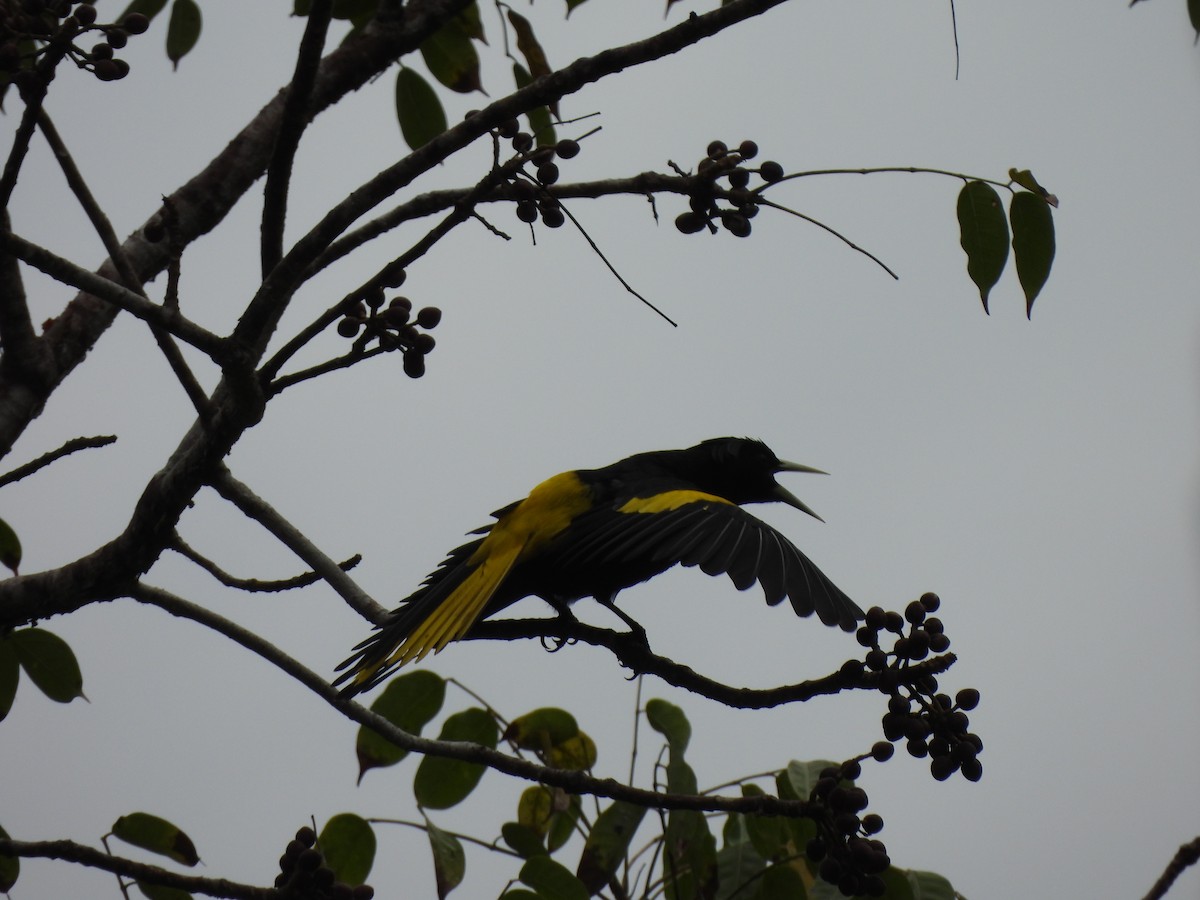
(594, 532)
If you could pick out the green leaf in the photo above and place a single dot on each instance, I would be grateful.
(542, 729)
(156, 835)
(562, 826)
(802, 777)
(519, 894)
(552, 880)
(929, 886)
(452, 59)
(409, 702)
(1033, 243)
(531, 49)
(769, 834)
(418, 109)
(689, 856)
(449, 861)
(10, 547)
(183, 30)
(669, 721)
(10, 868)
(738, 866)
(49, 663)
(471, 22)
(148, 8)
(1025, 179)
(348, 845)
(983, 233)
(608, 844)
(441, 782)
(10, 674)
(524, 840)
(162, 892)
(539, 117)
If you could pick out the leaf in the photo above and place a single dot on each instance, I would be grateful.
(738, 866)
(689, 855)
(781, 883)
(471, 22)
(608, 844)
(1193, 7)
(1025, 179)
(929, 886)
(452, 59)
(539, 117)
(669, 721)
(576, 754)
(802, 777)
(1033, 243)
(348, 844)
(571, 4)
(162, 892)
(183, 30)
(769, 834)
(148, 8)
(409, 702)
(531, 49)
(523, 839)
(552, 880)
(49, 663)
(418, 109)
(10, 674)
(983, 233)
(449, 860)
(441, 782)
(10, 547)
(562, 826)
(542, 729)
(10, 868)
(156, 835)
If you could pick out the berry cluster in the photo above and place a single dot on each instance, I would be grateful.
(365, 319)
(741, 203)
(933, 724)
(29, 28)
(303, 873)
(845, 851)
(533, 201)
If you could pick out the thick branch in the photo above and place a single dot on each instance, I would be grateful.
(571, 781)
(119, 865)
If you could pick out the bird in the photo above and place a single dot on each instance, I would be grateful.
(595, 532)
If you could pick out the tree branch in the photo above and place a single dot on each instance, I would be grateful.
(574, 782)
(253, 585)
(71, 446)
(119, 865)
(1187, 855)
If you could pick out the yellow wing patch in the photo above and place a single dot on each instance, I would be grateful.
(545, 513)
(669, 500)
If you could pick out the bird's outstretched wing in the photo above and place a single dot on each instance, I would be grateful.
(695, 529)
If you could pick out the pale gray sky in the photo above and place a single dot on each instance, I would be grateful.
(1041, 476)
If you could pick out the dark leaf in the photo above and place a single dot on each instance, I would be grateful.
(1033, 243)
(441, 782)
(452, 59)
(608, 844)
(669, 721)
(1194, 16)
(471, 22)
(562, 826)
(162, 892)
(418, 109)
(738, 868)
(542, 729)
(983, 233)
(531, 49)
(10, 674)
(183, 30)
(551, 880)
(929, 886)
(449, 861)
(354, 10)
(156, 835)
(10, 547)
(348, 845)
(1025, 179)
(10, 868)
(802, 777)
(49, 663)
(409, 702)
(769, 834)
(571, 4)
(522, 839)
(781, 883)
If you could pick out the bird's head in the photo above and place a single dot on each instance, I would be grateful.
(743, 470)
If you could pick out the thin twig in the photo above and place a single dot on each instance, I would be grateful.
(71, 446)
(253, 585)
(120, 259)
(954, 28)
(330, 365)
(763, 201)
(1187, 855)
(262, 512)
(70, 851)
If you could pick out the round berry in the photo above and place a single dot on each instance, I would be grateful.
(135, 23)
(429, 317)
(414, 364)
(348, 328)
(567, 149)
(527, 211)
(547, 173)
(748, 149)
(931, 602)
(717, 149)
(881, 751)
(770, 171)
(553, 218)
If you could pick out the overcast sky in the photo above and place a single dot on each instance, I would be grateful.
(1040, 475)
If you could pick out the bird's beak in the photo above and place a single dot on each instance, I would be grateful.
(783, 495)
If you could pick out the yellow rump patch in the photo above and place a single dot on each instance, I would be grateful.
(669, 500)
(545, 513)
